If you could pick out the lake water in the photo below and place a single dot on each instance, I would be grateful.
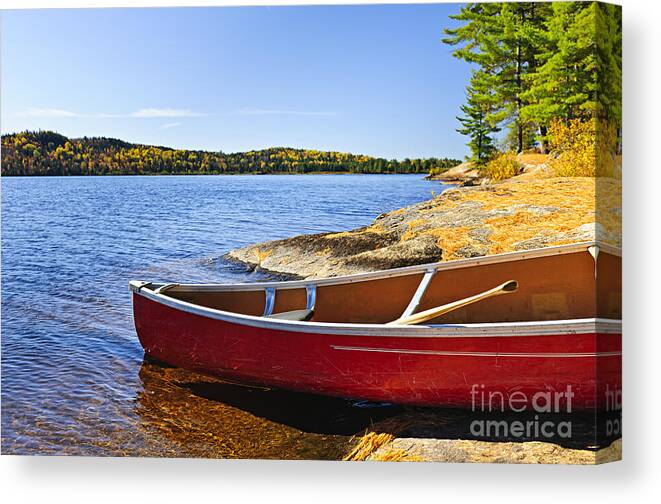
(73, 377)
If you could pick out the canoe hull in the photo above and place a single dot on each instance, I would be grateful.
(442, 368)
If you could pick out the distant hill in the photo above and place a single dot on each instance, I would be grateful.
(36, 153)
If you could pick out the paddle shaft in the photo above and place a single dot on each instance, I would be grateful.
(432, 313)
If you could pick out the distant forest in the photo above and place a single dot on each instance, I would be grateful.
(48, 153)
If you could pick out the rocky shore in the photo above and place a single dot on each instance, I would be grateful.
(526, 212)
(457, 450)
(461, 222)
(532, 165)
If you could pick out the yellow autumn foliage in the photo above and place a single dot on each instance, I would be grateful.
(503, 166)
(583, 148)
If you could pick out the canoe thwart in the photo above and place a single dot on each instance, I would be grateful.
(269, 302)
(311, 296)
(420, 291)
(311, 299)
(300, 315)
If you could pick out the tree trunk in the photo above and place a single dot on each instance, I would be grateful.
(519, 126)
(479, 149)
(542, 139)
(519, 87)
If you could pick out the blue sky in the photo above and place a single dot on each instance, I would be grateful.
(371, 79)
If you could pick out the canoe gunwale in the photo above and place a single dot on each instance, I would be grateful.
(495, 329)
(156, 293)
(395, 272)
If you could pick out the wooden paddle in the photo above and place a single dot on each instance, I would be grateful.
(504, 288)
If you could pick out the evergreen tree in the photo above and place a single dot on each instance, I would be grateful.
(564, 84)
(521, 24)
(608, 33)
(475, 120)
(47, 153)
(502, 40)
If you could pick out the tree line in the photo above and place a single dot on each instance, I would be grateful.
(33, 153)
(535, 63)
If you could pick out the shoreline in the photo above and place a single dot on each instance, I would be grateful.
(62, 155)
(210, 174)
(461, 222)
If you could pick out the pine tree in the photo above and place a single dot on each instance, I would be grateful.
(524, 34)
(475, 121)
(564, 84)
(608, 33)
(520, 24)
(502, 39)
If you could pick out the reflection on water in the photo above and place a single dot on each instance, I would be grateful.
(207, 417)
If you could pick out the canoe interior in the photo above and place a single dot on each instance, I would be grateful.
(558, 286)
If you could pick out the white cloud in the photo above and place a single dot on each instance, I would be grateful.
(144, 113)
(104, 115)
(151, 113)
(256, 111)
(48, 112)
(164, 112)
(170, 125)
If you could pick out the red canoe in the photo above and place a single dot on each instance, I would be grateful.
(558, 335)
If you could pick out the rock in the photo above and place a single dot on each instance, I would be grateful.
(463, 172)
(445, 435)
(529, 452)
(461, 222)
(397, 255)
(312, 255)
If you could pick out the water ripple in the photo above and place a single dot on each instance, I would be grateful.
(72, 375)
